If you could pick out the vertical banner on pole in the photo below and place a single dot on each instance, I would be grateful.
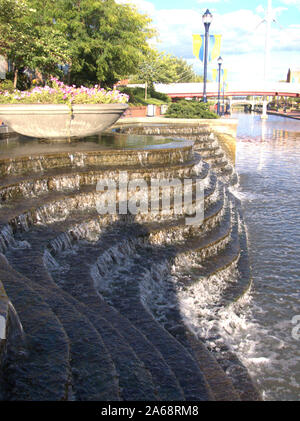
(198, 46)
(214, 47)
(223, 74)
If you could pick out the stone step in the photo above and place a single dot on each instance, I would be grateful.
(80, 224)
(63, 207)
(227, 170)
(40, 370)
(90, 218)
(53, 231)
(204, 148)
(216, 162)
(200, 139)
(199, 243)
(215, 152)
(68, 286)
(73, 179)
(94, 377)
(124, 294)
(212, 214)
(30, 206)
(229, 256)
(84, 291)
(186, 370)
(34, 207)
(172, 132)
(220, 384)
(203, 243)
(165, 381)
(32, 184)
(135, 381)
(173, 152)
(219, 165)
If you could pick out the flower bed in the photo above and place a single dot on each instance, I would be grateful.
(60, 111)
(59, 93)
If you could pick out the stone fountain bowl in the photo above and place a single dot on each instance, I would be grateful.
(57, 121)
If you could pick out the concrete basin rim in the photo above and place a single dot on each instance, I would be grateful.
(33, 109)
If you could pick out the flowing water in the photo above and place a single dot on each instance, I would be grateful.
(24, 146)
(268, 164)
(155, 267)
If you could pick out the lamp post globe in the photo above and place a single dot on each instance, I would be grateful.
(206, 19)
(220, 61)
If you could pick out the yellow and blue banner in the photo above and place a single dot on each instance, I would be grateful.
(224, 87)
(215, 73)
(214, 47)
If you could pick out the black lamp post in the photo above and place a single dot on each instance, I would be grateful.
(223, 109)
(220, 61)
(206, 19)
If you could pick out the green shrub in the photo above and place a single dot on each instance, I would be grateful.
(165, 99)
(6, 85)
(137, 96)
(155, 101)
(190, 109)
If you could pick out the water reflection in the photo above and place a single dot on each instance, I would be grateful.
(252, 128)
(20, 145)
(268, 158)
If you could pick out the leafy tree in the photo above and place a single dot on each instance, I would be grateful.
(99, 40)
(184, 71)
(155, 68)
(106, 40)
(163, 68)
(29, 39)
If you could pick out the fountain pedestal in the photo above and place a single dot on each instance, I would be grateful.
(58, 121)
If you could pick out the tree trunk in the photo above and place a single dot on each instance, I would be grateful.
(69, 75)
(146, 90)
(16, 77)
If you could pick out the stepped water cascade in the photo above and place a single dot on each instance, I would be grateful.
(119, 306)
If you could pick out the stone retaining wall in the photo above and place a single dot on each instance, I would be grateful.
(134, 112)
(224, 128)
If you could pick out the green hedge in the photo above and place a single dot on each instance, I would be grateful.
(165, 99)
(190, 109)
(6, 85)
(137, 96)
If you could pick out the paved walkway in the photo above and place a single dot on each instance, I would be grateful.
(289, 114)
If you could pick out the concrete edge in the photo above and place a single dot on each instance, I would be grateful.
(225, 129)
(4, 319)
(185, 121)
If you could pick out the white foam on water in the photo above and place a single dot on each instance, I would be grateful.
(6, 238)
(2, 327)
(113, 266)
(51, 263)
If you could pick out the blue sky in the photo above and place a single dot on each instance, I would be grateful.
(237, 21)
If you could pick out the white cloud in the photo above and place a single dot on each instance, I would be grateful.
(291, 2)
(211, 1)
(242, 39)
(295, 3)
(260, 9)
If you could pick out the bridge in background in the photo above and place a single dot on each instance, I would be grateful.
(195, 90)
